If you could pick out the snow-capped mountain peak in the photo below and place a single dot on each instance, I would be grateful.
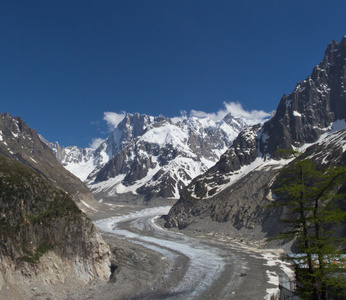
(151, 156)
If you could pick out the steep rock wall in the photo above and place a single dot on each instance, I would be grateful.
(44, 237)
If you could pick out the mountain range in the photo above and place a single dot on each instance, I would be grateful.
(157, 157)
(220, 171)
(151, 157)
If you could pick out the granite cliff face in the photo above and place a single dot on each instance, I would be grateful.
(242, 152)
(237, 189)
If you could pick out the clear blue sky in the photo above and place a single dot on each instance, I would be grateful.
(64, 63)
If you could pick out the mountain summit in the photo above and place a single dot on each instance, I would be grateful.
(151, 157)
(315, 103)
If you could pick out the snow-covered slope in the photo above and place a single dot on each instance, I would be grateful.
(242, 158)
(165, 156)
(151, 156)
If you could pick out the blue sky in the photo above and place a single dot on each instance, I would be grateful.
(64, 64)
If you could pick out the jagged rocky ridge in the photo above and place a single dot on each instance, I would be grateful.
(315, 103)
(20, 142)
(151, 156)
(237, 189)
(44, 237)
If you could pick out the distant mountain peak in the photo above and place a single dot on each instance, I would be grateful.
(151, 156)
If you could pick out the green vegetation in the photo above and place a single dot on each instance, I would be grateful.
(35, 217)
(39, 251)
(313, 196)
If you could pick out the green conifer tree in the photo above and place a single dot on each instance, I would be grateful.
(312, 196)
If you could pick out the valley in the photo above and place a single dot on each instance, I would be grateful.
(166, 208)
(180, 266)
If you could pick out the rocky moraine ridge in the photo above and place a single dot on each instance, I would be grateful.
(236, 191)
(45, 239)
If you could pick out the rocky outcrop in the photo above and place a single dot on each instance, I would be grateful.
(44, 237)
(242, 152)
(330, 150)
(308, 111)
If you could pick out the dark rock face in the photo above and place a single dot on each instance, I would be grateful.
(134, 166)
(304, 115)
(242, 152)
(329, 151)
(20, 142)
(228, 193)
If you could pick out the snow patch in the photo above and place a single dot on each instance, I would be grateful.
(88, 206)
(258, 164)
(167, 134)
(297, 114)
(33, 160)
(81, 169)
(106, 185)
